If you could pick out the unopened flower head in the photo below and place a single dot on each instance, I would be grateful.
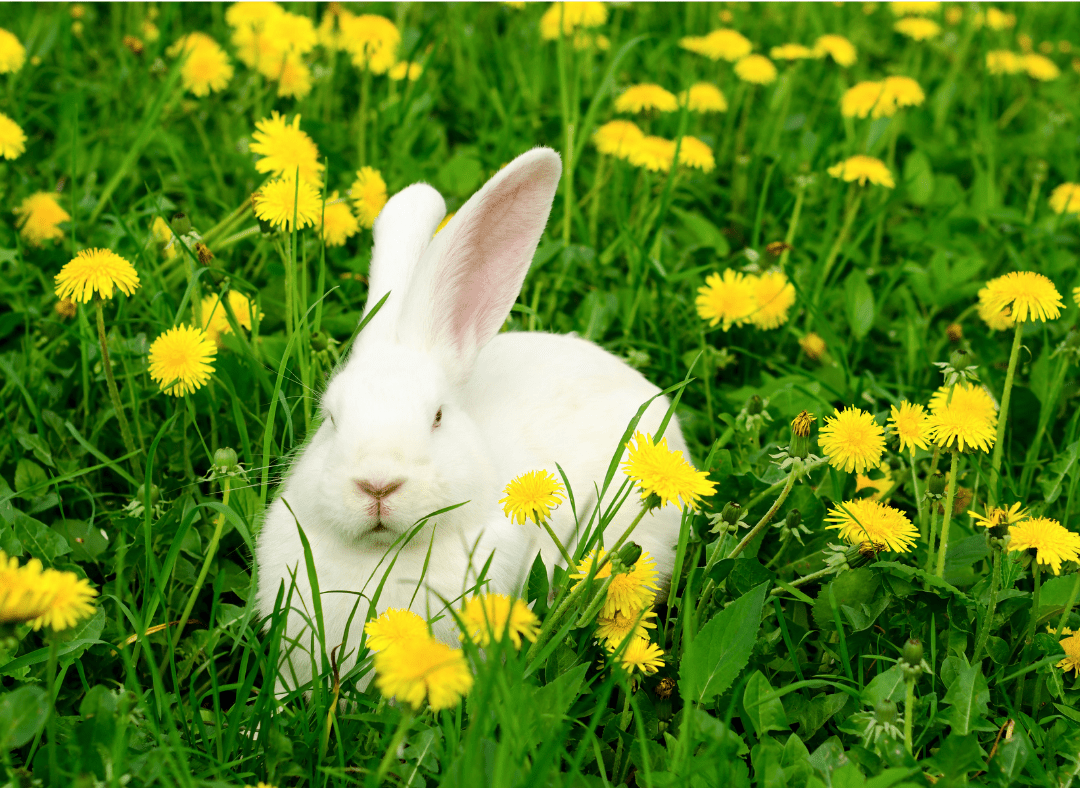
(998, 516)
(813, 346)
(532, 496)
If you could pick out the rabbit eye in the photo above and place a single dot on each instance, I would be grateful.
(438, 420)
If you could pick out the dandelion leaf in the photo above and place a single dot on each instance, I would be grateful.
(22, 715)
(967, 699)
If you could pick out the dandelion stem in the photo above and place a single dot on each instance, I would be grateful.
(558, 543)
(801, 581)
(834, 252)
(995, 586)
(210, 552)
(764, 521)
(909, 713)
(950, 496)
(1030, 636)
(932, 537)
(807, 467)
(114, 392)
(361, 137)
(793, 225)
(919, 506)
(1003, 416)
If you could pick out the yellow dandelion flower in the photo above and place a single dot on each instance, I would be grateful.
(664, 472)
(1040, 67)
(95, 271)
(206, 67)
(1028, 296)
(642, 98)
(802, 424)
(613, 630)
(12, 138)
(338, 222)
(954, 15)
(150, 31)
(967, 416)
(640, 655)
(852, 440)
(329, 30)
(281, 200)
(914, 8)
(793, 52)
(696, 154)
(250, 13)
(862, 169)
(216, 319)
(860, 99)
(727, 299)
(39, 216)
(704, 97)
(633, 590)
(394, 628)
(1071, 660)
(909, 424)
(756, 69)
(423, 668)
(1066, 198)
(774, 296)
(1002, 61)
(997, 319)
(917, 28)
(880, 485)
(12, 52)
(70, 600)
(813, 346)
(654, 154)
(405, 70)
(492, 617)
(864, 520)
(721, 44)
(617, 138)
(181, 360)
(371, 40)
(24, 596)
(1053, 543)
(997, 515)
(368, 194)
(571, 17)
(838, 48)
(284, 149)
(898, 92)
(294, 77)
(996, 19)
(532, 496)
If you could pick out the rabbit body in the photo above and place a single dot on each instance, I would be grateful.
(435, 409)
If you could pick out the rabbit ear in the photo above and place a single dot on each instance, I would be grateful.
(471, 274)
(402, 232)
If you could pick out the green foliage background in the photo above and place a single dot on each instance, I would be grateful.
(770, 680)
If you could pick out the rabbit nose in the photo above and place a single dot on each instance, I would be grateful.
(378, 488)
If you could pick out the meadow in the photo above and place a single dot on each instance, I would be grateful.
(843, 238)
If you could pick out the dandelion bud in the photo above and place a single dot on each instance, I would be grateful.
(134, 44)
(731, 512)
(224, 457)
(937, 483)
(181, 224)
(885, 711)
(913, 652)
(155, 494)
(665, 688)
(800, 435)
(955, 332)
(754, 405)
(794, 518)
(777, 248)
(319, 341)
(630, 553)
(204, 253)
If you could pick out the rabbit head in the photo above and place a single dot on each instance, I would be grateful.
(397, 443)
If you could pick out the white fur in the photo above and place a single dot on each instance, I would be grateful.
(511, 403)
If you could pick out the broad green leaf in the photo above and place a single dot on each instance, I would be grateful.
(851, 589)
(706, 233)
(918, 178)
(859, 303)
(817, 711)
(885, 686)
(1053, 475)
(967, 698)
(722, 648)
(22, 715)
(39, 540)
(30, 476)
(767, 716)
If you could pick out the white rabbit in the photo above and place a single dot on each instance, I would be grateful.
(434, 408)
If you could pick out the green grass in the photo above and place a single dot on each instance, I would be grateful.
(775, 684)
